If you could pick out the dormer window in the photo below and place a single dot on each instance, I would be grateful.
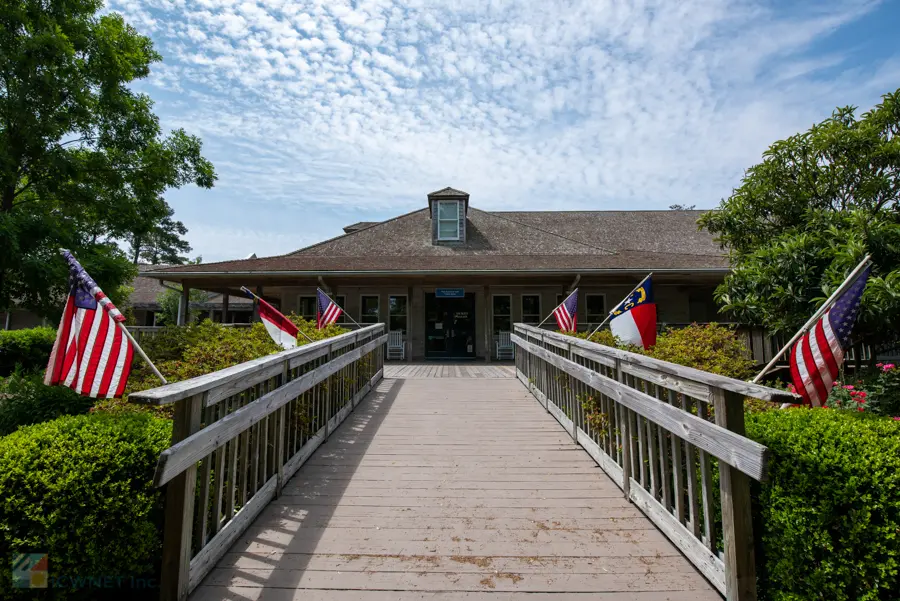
(448, 220)
(448, 208)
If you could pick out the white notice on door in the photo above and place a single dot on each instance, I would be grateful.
(438, 326)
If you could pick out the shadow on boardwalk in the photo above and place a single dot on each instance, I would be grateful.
(452, 488)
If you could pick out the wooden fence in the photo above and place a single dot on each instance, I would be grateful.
(656, 428)
(241, 432)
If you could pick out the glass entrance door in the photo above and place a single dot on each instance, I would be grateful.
(450, 327)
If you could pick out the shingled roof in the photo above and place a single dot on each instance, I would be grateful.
(505, 241)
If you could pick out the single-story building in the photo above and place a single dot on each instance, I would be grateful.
(451, 277)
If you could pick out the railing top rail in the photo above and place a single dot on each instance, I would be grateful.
(688, 373)
(170, 393)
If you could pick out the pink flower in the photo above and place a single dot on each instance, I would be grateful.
(896, 419)
(848, 387)
(887, 367)
(879, 364)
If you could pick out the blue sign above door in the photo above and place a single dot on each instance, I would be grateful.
(450, 292)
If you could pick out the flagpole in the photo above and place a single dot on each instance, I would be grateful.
(341, 308)
(250, 292)
(608, 315)
(141, 351)
(821, 311)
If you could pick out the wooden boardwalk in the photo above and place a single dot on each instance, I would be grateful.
(454, 489)
(449, 370)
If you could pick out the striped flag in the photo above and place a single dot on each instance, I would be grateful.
(818, 355)
(565, 313)
(280, 328)
(327, 312)
(91, 355)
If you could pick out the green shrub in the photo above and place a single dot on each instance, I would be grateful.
(189, 351)
(828, 519)
(29, 349)
(80, 489)
(25, 400)
(711, 347)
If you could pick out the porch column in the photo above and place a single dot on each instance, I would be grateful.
(225, 307)
(488, 326)
(409, 323)
(184, 304)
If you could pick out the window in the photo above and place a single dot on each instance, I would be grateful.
(596, 308)
(502, 313)
(531, 308)
(448, 220)
(368, 309)
(397, 313)
(306, 307)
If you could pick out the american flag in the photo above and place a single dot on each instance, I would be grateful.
(817, 356)
(565, 313)
(91, 355)
(328, 310)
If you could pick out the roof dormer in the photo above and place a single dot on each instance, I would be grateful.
(448, 208)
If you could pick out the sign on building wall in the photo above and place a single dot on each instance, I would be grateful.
(450, 292)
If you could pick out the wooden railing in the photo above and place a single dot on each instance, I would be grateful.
(240, 433)
(656, 428)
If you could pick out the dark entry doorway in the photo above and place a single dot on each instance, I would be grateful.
(450, 327)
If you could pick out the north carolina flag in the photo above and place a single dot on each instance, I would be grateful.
(634, 320)
(280, 328)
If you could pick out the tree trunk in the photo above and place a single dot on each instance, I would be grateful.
(137, 250)
(9, 195)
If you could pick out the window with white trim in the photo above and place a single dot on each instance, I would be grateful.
(397, 312)
(595, 308)
(502, 313)
(306, 307)
(448, 220)
(531, 308)
(368, 309)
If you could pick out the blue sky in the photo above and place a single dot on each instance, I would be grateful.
(322, 113)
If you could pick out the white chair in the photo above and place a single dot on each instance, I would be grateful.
(396, 348)
(505, 348)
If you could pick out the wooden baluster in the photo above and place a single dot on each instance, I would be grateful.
(737, 523)
(200, 528)
(691, 471)
(232, 470)
(665, 470)
(677, 466)
(625, 422)
(179, 508)
(709, 525)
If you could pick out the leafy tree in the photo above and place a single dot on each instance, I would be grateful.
(681, 207)
(83, 160)
(170, 300)
(807, 214)
(162, 244)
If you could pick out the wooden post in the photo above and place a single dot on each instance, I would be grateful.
(409, 324)
(734, 486)
(488, 326)
(225, 308)
(184, 306)
(179, 513)
(329, 393)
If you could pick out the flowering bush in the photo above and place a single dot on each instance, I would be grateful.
(877, 392)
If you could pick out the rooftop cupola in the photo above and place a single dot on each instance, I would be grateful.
(448, 208)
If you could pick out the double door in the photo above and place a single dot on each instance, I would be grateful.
(450, 327)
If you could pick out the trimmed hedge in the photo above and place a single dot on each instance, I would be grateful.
(80, 489)
(828, 520)
(25, 400)
(29, 348)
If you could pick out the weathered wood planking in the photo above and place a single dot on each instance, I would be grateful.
(672, 369)
(748, 456)
(497, 517)
(224, 378)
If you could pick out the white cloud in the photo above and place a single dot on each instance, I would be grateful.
(555, 104)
